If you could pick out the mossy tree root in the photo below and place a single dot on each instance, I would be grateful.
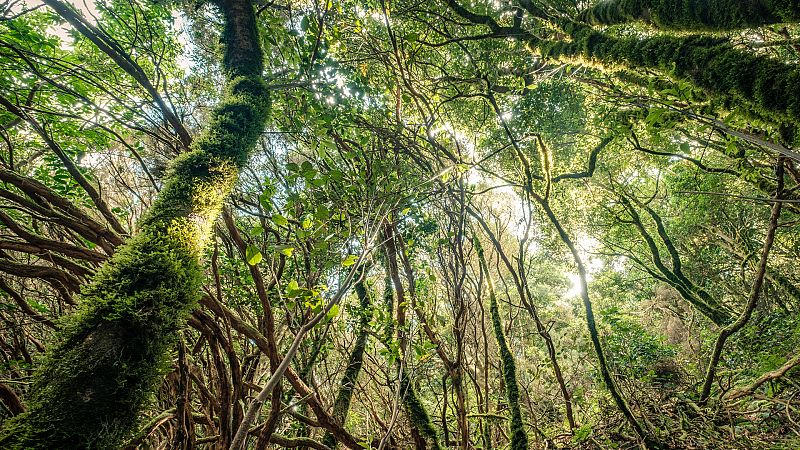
(694, 14)
(110, 355)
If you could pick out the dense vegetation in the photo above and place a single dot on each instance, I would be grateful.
(520, 224)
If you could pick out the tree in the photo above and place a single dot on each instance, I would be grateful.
(91, 387)
(398, 225)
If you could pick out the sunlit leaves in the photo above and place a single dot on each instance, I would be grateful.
(279, 220)
(349, 261)
(253, 255)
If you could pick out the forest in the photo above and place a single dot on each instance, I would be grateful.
(400, 224)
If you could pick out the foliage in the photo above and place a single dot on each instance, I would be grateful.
(391, 224)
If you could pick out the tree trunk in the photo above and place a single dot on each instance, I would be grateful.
(341, 405)
(518, 437)
(93, 383)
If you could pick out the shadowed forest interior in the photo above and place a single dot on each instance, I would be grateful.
(399, 224)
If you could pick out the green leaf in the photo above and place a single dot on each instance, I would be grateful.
(266, 200)
(322, 213)
(253, 255)
(336, 175)
(333, 312)
(349, 261)
(582, 433)
(327, 145)
(288, 251)
(280, 220)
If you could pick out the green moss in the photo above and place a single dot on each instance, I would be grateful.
(417, 414)
(111, 354)
(230, 127)
(92, 384)
(694, 14)
(388, 303)
(519, 440)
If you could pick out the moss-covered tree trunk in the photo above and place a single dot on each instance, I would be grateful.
(694, 14)
(518, 437)
(421, 427)
(341, 405)
(417, 414)
(94, 381)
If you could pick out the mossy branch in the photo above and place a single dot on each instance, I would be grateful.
(689, 291)
(766, 86)
(694, 14)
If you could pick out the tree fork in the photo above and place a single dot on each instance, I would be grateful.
(92, 384)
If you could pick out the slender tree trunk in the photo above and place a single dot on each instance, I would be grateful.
(519, 439)
(526, 299)
(695, 295)
(417, 414)
(92, 384)
(755, 292)
(421, 427)
(341, 405)
(608, 379)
